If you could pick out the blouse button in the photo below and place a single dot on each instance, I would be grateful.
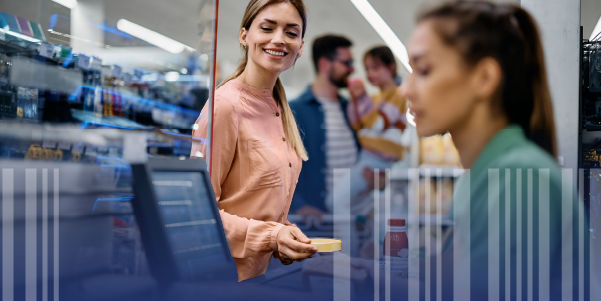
(277, 114)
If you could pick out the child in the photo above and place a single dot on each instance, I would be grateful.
(379, 121)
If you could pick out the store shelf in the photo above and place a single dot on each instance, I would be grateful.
(90, 118)
(590, 136)
(435, 220)
(431, 171)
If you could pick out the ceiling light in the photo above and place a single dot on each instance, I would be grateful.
(380, 26)
(596, 31)
(67, 3)
(152, 37)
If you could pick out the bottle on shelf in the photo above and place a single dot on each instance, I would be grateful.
(396, 246)
(395, 241)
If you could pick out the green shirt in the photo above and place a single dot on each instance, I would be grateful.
(511, 203)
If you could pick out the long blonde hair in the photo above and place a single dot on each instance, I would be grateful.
(288, 121)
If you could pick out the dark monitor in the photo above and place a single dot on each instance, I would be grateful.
(179, 221)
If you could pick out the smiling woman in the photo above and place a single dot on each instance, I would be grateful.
(256, 151)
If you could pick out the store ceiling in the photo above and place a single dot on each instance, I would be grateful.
(331, 16)
(180, 19)
(340, 16)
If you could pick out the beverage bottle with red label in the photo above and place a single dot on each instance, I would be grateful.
(396, 247)
(396, 238)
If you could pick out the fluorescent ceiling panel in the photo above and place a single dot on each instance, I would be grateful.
(67, 3)
(597, 30)
(152, 37)
(390, 38)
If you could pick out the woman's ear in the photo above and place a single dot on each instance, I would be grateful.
(243, 33)
(300, 51)
(487, 78)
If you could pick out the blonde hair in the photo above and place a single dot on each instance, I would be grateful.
(288, 121)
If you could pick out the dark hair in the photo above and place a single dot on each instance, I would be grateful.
(508, 34)
(327, 46)
(384, 55)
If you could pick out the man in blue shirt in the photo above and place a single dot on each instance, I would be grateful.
(320, 113)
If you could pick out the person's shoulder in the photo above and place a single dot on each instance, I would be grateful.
(303, 99)
(306, 94)
(398, 97)
(527, 155)
(227, 98)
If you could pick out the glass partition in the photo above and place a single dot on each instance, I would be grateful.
(88, 87)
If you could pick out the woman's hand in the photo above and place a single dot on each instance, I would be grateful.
(293, 245)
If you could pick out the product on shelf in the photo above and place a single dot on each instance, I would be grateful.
(104, 95)
(27, 104)
(38, 32)
(4, 69)
(592, 156)
(396, 243)
(25, 27)
(8, 105)
(435, 195)
(9, 22)
(438, 150)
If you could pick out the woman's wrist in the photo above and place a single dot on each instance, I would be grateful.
(274, 236)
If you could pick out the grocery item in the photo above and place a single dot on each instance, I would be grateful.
(327, 244)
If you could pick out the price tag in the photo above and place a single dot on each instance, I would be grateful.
(46, 50)
(83, 61)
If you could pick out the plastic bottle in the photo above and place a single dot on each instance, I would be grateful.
(396, 247)
(396, 238)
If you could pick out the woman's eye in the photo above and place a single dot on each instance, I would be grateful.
(293, 34)
(265, 28)
(423, 71)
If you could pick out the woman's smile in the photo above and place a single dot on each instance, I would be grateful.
(276, 53)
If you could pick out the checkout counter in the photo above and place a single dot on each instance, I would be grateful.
(118, 225)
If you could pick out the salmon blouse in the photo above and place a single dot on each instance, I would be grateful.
(254, 171)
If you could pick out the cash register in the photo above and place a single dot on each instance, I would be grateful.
(183, 237)
(179, 222)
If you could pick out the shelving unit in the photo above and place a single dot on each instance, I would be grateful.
(425, 171)
(41, 82)
(590, 115)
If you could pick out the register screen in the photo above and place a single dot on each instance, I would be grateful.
(190, 224)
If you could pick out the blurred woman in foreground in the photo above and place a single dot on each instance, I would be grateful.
(479, 73)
